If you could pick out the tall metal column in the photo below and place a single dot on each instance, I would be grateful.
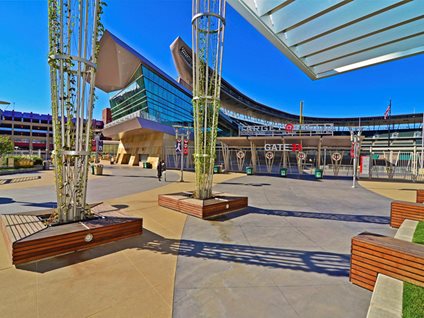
(73, 43)
(208, 38)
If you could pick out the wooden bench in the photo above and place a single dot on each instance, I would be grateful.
(373, 254)
(29, 239)
(420, 196)
(401, 210)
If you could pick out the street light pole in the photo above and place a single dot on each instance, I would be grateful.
(355, 138)
(182, 159)
(181, 136)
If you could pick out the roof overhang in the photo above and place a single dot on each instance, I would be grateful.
(306, 141)
(136, 125)
(330, 37)
(117, 63)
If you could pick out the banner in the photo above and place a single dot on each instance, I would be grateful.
(185, 149)
(178, 146)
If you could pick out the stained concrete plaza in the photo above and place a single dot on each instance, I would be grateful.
(287, 255)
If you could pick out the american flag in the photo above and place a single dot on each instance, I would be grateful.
(387, 112)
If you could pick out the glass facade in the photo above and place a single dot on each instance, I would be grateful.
(154, 96)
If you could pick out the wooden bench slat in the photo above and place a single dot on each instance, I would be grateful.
(420, 196)
(373, 254)
(393, 267)
(400, 210)
(404, 247)
(413, 267)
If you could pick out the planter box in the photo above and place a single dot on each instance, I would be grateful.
(98, 170)
(11, 162)
(29, 239)
(24, 163)
(217, 205)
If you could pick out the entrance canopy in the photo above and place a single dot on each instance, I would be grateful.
(328, 37)
(306, 141)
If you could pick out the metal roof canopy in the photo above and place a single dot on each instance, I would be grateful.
(307, 141)
(328, 37)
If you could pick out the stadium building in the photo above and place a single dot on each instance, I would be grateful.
(31, 133)
(146, 104)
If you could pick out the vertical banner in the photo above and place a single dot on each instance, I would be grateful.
(178, 146)
(185, 149)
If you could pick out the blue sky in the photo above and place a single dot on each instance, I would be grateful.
(251, 63)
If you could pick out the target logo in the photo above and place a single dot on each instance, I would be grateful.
(289, 128)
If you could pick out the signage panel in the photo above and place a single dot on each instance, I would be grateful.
(283, 147)
(286, 129)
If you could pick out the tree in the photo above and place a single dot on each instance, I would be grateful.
(208, 39)
(6, 145)
(74, 32)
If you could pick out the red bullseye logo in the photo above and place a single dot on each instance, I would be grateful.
(289, 128)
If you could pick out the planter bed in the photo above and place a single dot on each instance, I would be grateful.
(219, 204)
(29, 239)
(8, 171)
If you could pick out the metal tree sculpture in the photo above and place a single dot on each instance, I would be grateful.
(74, 28)
(208, 38)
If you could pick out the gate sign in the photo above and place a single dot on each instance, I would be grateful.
(269, 155)
(178, 146)
(336, 156)
(297, 147)
(301, 155)
(283, 147)
(185, 149)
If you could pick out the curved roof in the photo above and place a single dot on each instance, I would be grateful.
(117, 62)
(325, 38)
(236, 101)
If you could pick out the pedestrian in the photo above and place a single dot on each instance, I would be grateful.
(159, 168)
(163, 168)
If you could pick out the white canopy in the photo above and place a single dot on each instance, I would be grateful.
(328, 37)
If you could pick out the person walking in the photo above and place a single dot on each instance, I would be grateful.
(163, 168)
(159, 168)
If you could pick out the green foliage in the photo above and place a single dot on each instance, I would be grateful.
(6, 145)
(413, 300)
(23, 161)
(413, 295)
(419, 234)
(72, 104)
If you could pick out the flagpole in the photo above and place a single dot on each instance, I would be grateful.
(390, 116)
(422, 143)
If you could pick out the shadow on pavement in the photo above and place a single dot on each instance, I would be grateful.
(18, 179)
(6, 200)
(247, 184)
(310, 215)
(332, 264)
